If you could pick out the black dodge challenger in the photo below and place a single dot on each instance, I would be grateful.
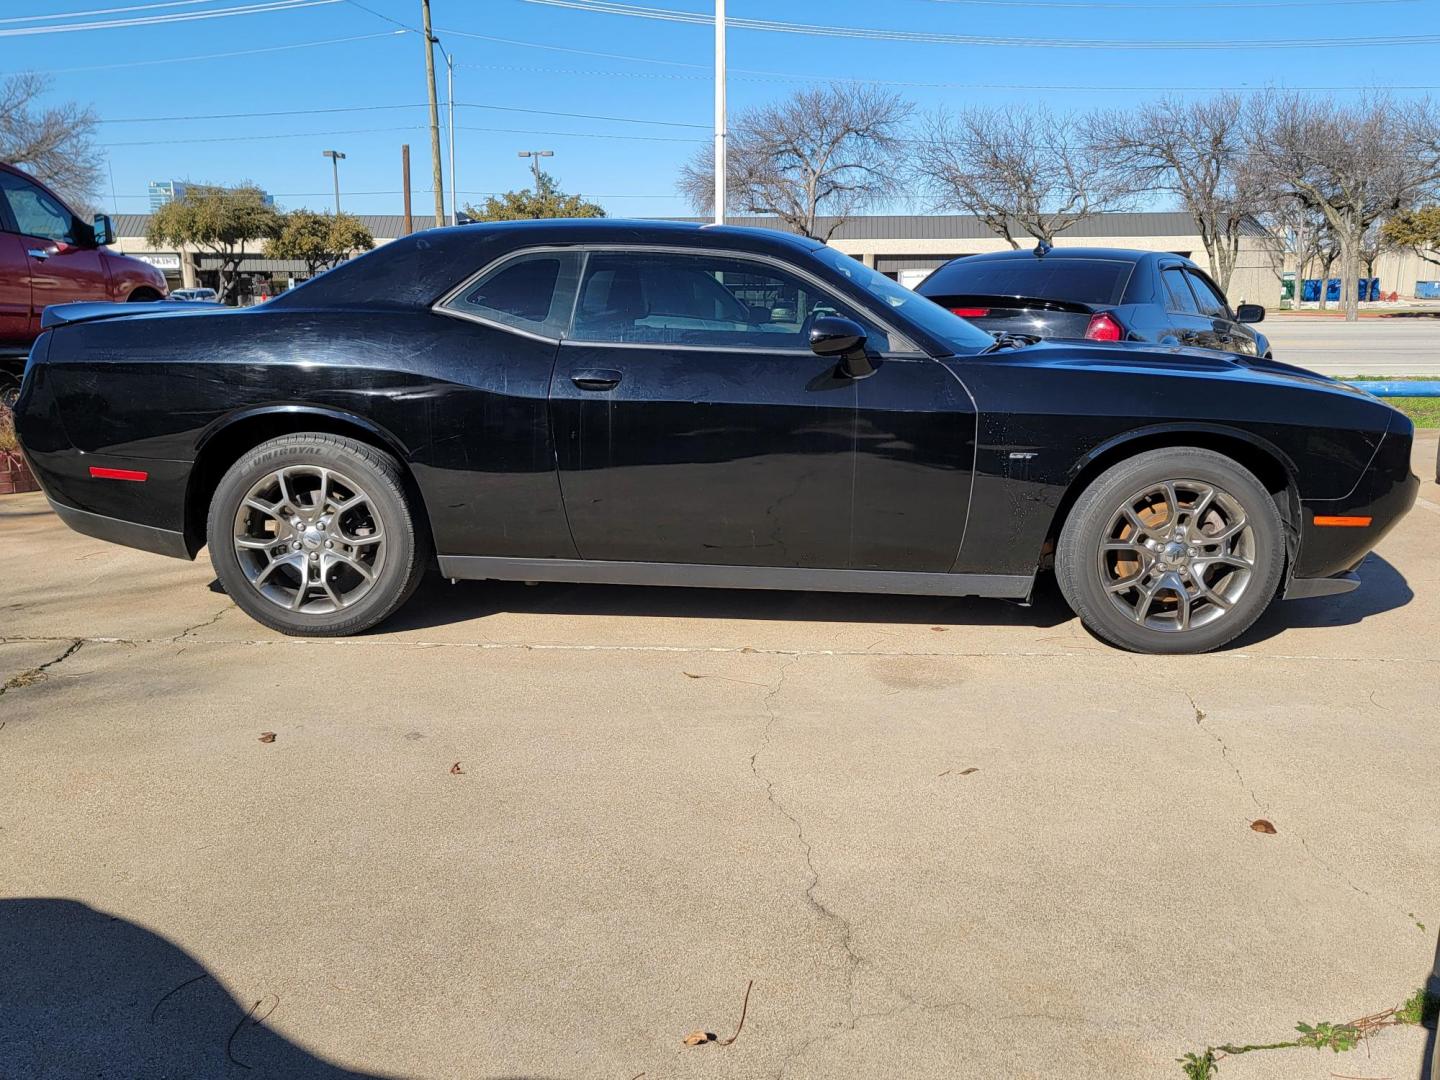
(670, 404)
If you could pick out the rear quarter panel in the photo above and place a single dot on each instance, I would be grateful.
(462, 405)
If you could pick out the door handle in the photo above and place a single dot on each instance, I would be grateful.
(596, 379)
(39, 253)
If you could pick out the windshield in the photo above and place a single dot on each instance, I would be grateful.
(929, 316)
(1086, 281)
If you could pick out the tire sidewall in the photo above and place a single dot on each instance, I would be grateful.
(387, 500)
(1077, 564)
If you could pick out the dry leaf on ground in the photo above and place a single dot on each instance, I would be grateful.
(1260, 825)
(267, 736)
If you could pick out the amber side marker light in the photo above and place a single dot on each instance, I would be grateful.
(97, 473)
(1342, 522)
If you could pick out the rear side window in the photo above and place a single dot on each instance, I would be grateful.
(1178, 297)
(1085, 281)
(532, 292)
(1209, 298)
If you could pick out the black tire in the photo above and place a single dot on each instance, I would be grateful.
(397, 549)
(1138, 618)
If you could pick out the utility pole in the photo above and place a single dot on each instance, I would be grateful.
(535, 156)
(720, 112)
(450, 124)
(335, 158)
(437, 181)
(405, 183)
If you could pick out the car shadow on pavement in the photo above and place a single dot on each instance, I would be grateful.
(86, 993)
(1382, 588)
(438, 603)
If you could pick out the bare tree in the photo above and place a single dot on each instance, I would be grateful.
(56, 144)
(828, 151)
(1195, 150)
(1025, 169)
(1355, 164)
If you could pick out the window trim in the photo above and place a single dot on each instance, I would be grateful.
(585, 251)
(439, 307)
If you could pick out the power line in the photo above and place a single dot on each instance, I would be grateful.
(1234, 5)
(105, 11)
(413, 127)
(374, 108)
(217, 56)
(615, 7)
(268, 8)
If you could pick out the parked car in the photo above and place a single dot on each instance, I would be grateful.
(48, 255)
(667, 404)
(1096, 294)
(208, 296)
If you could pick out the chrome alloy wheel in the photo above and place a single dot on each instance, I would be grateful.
(309, 539)
(1178, 555)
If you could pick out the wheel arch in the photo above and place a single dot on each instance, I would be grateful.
(225, 440)
(142, 295)
(1271, 466)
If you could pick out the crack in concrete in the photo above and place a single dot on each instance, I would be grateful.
(201, 625)
(1334, 872)
(38, 674)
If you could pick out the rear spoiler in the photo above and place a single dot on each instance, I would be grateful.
(94, 311)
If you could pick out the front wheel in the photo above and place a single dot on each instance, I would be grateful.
(1172, 551)
(313, 535)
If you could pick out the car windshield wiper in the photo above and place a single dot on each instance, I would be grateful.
(1006, 340)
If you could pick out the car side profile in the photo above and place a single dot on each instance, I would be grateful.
(669, 404)
(1097, 294)
(49, 255)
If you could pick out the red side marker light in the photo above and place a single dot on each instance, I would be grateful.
(97, 473)
(1342, 522)
(970, 312)
(1103, 327)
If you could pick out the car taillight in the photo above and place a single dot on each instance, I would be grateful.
(1103, 327)
(970, 312)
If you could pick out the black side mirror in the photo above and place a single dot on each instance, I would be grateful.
(837, 336)
(104, 230)
(1250, 313)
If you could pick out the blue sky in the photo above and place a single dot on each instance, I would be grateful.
(110, 68)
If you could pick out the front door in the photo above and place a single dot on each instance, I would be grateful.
(14, 290)
(693, 424)
(64, 263)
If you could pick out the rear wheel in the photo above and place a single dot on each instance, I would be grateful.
(313, 535)
(1172, 551)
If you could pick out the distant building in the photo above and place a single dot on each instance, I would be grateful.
(164, 191)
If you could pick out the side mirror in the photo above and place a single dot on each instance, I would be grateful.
(837, 336)
(1250, 313)
(104, 230)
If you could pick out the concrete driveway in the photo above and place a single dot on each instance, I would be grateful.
(549, 831)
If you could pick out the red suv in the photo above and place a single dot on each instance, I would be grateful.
(48, 255)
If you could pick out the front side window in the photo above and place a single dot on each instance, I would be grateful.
(35, 212)
(1209, 298)
(533, 292)
(671, 298)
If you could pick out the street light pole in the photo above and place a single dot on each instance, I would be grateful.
(335, 158)
(535, 156)
(720, 132)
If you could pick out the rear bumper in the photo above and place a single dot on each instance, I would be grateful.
(129, 533)
(1300, 588)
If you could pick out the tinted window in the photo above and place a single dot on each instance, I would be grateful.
(36, 213)
(1209, 298)
(1177, 294)
(1085, 281)
(531, 292)
(662, 298)
(927, 314)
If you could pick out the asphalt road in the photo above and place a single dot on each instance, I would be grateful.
(549, 831)
(1388, 346)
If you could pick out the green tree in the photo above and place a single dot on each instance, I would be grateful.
(319, 240)
(545, 200)
(1418, 230)
(218, 220)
